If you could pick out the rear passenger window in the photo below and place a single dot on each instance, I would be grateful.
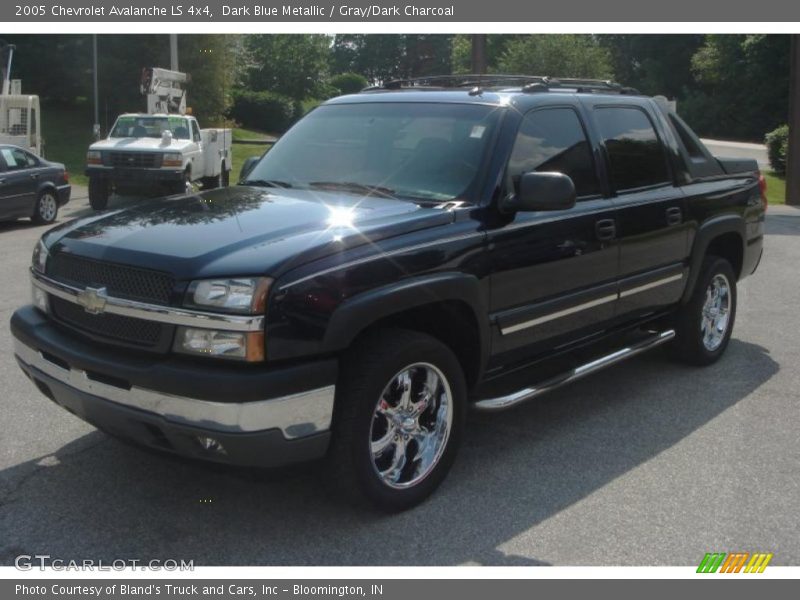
(553, 139)
(634, 152)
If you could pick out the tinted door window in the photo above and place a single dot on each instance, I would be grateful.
(195, 131)
(16, 159)
(553, 139)
(634, 151)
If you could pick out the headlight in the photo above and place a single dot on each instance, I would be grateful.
(220, 344)
(40, 300)
(94, 157)
(172, 159)
(246, 295)
(39, 257)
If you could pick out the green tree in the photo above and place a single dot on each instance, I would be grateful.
(380, 57)
(461, 52)
(556, 55)
(653, 64)
(211, 61)
(742, 86)
(293, 65)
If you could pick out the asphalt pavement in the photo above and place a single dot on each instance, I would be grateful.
(646, 463)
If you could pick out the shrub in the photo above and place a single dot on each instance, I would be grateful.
(777, 142)
(348, 83)
(264, 111)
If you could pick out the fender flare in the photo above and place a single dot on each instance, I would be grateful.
(356, 314)
(706, 233)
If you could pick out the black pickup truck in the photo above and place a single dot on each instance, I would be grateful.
(400, 255)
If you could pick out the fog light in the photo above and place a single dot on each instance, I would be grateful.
(40, 300)
(210, 444)
(220, 344)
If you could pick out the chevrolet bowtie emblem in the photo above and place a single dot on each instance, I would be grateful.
(93, 300)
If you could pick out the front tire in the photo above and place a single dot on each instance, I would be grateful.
(46, 209)
(705, 323)
(99, 191)
(399, 421)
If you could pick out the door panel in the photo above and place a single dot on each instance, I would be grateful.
(651, 209)
(19, 182)
(653, 237)
(552, 275)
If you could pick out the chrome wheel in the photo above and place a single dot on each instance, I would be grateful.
(411, 424)
(716, 312)
(48, 207)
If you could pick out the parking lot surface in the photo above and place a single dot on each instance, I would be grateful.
(646, 463)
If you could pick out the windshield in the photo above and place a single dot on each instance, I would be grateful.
(153, 127)
(415, 150)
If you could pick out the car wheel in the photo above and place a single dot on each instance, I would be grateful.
(99, 191)
(705, 323)
(46, 209)
(399, 419)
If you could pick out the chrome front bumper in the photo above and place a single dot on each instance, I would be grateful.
(240, 415)
(296, 416)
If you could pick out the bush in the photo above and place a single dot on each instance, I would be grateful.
(264, 111)
(349, 83)
(777, 142)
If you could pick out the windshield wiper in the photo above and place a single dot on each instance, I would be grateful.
(352, 186)
(266, 183)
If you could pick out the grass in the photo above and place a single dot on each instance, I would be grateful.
(776, 187)
(68, 134)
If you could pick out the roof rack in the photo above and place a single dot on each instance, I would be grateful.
(527, 83)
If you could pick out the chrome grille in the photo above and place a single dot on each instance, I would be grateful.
(120, 281)
(113, 328)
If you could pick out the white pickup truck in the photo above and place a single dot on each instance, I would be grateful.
(155, 155)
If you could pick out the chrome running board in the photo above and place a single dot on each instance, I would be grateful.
(509, 400)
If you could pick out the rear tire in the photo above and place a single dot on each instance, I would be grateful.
(99, 191)
(400, 410)
(703, 326)
(46, 209)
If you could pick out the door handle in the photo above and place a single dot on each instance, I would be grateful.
(605, 229)
(34, 176)
(674, 215)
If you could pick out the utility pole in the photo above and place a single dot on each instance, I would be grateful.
(96, 126)
(793, 160)
(173, 51)
(479, 53)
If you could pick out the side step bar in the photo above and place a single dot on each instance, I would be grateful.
(509, 400)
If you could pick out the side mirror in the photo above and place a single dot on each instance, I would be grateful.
(248, 165)
(541, 191)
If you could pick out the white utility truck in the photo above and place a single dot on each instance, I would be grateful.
(19, 113)
(162, 151)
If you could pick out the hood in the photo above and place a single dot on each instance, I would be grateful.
(144, 144)
(240, 230)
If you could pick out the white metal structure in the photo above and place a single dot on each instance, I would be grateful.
(165, 90)
(19, 114)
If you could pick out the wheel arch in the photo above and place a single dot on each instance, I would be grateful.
(447, 306)
(723, 236)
